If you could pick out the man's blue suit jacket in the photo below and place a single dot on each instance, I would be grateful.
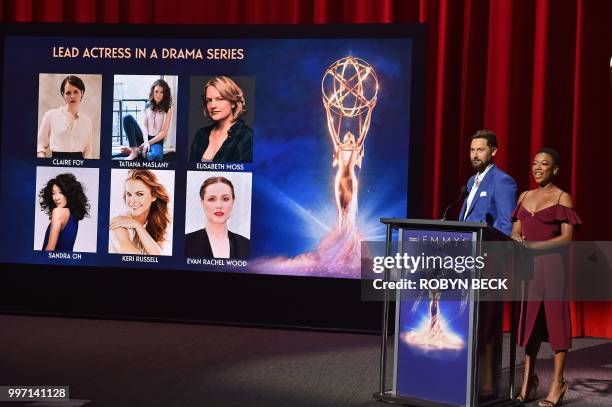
(494, 201)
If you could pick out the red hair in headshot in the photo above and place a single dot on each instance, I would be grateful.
(159, 216)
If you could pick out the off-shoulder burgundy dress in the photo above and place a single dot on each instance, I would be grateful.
(544, 312)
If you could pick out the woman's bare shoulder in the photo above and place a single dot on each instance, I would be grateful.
(60, 213)
(565, 199)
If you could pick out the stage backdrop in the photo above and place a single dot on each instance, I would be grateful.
(536, 72)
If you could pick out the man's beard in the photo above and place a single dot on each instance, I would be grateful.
(480, 166)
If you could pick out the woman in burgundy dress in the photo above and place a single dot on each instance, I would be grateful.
(544, 220)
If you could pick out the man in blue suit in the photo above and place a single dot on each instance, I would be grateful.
(491, 192)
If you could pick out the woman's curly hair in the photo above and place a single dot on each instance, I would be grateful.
(166, 102)
(71, 188)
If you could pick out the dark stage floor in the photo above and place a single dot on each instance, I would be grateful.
(121, 363)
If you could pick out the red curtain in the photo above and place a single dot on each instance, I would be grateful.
(534, 71)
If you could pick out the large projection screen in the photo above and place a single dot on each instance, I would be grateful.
(177, 152)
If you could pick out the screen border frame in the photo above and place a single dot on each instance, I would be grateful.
(195, 296)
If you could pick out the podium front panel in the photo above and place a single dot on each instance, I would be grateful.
(434, 338)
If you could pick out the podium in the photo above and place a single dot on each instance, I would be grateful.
(462, 365)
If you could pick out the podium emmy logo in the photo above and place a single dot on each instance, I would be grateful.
(350, 89)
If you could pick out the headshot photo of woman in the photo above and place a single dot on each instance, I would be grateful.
(68, 130)
(63, 204)
(64, 201)
(227, 139)
(222, 209)
(544, 221)
(144, 117)
(141, 224)
(156, 120)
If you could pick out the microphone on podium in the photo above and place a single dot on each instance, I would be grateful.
(459, 198)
